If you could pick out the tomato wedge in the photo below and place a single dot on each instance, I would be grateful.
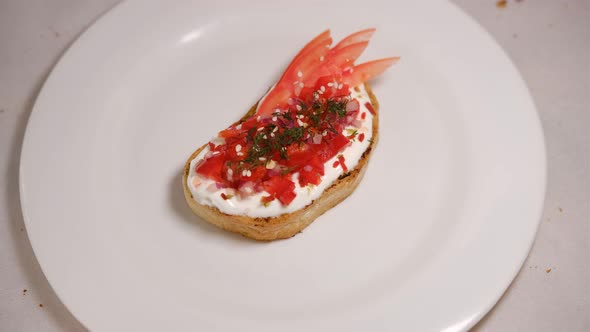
(368, 70)
(297, 74)
(275, 99)
(340, 59)
(359, 36)
(321, 39)
(316, 60)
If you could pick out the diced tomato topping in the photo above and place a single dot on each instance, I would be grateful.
(281, 188)
(298, 154)
(211, 168)
(337, 143)
(311, 173)
(235, 150)
(363, 115)
(257, 173)
(309, 177)
(361, 137)
(287, 196)
(316, 164)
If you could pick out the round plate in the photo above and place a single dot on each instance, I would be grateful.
(430, 240)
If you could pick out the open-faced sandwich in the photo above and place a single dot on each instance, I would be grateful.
(301, 150)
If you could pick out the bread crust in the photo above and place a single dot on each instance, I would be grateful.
(289, 224)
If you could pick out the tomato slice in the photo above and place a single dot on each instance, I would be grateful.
(321, 39)
(359, 36)
(276, 98)
(368, 70)
(299, 71)
(340, 59)
(316, 60)
(346, 56)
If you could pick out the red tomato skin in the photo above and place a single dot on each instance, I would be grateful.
(211, 168)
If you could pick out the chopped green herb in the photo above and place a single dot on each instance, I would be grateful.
(352, 133)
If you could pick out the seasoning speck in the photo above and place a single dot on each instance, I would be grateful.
(560, 210)
(548, 270)
(501, 4)
(40, 305)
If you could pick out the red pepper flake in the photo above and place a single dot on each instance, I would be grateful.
(341, 160)
(361, 137)
(224, 196)
(335, 164)
(370, 108)
(363, 115)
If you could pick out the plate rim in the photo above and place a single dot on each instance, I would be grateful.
(82, 40)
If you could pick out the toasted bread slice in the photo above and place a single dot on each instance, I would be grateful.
(289, 224)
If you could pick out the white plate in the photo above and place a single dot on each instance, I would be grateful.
(433, 236)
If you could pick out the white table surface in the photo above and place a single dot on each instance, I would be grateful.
(548, 40)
